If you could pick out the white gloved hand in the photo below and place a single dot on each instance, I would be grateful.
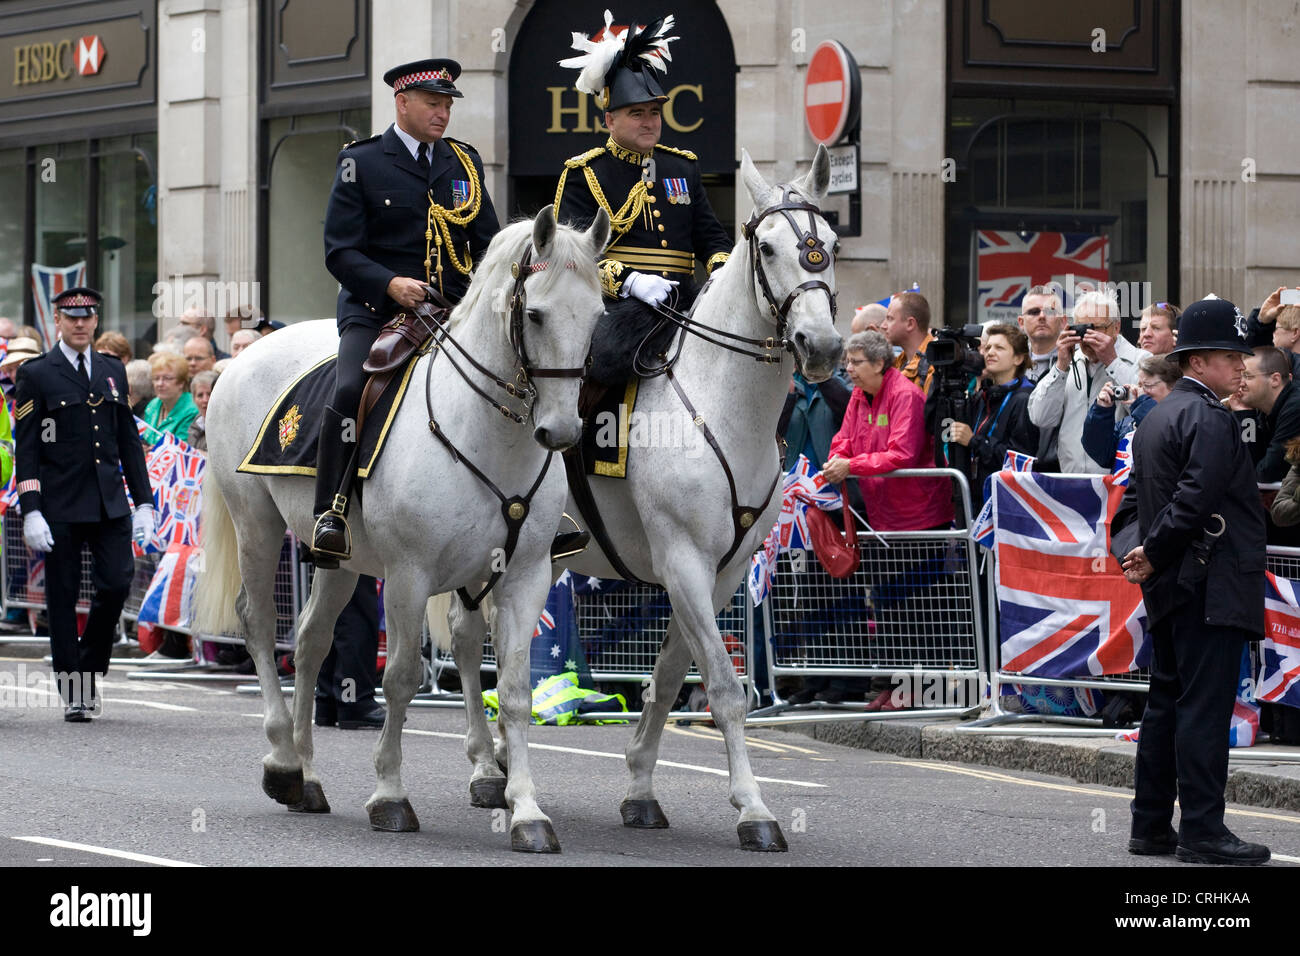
(142, 525)
(37, 533)
(650, 289)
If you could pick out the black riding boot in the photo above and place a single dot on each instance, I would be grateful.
(331, 541)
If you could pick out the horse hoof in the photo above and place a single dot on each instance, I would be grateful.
(643, 815)
(313, 799)
(282, 786)
(763, 836)
(488, 793)
(393, 816)
(534, 836)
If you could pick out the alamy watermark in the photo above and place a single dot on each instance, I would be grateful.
(177, 295)
(656, 429)
(37, 688)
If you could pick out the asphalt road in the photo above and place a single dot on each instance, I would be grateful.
(170, 774)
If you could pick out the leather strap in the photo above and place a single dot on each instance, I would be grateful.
(580, 484)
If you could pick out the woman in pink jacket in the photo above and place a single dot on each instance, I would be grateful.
(884, 430)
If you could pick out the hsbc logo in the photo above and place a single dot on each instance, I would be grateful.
(90, 55)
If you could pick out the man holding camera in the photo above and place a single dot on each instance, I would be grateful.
(1090, 354)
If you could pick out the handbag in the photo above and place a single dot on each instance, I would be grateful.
(838, 553)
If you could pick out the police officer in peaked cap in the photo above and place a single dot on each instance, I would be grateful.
(408, 210)
(1198, 550)
(76, 439)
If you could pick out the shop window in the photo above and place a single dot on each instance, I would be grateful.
(13, 175)
(128, 237)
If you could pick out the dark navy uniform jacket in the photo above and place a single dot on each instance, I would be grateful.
(377, 216)
(75, 440)
(669, 226)
(1190, 463)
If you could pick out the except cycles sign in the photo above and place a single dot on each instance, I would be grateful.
(832, 92)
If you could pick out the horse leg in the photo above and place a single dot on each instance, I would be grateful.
(639, 808)
(259, 553)
(487, 784)
(330, 592)
(523, 594)
(389, 808)
(692, 600)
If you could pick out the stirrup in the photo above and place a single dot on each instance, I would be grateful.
(333, 557)
(569, 543)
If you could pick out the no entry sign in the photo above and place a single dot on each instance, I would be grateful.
(831, 92)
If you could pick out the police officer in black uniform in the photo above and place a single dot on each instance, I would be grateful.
(408, 209)
(76, 438)
(662, 224)
(1199, 556)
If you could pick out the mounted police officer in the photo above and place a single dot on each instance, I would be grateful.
(76, 439)
(408, 211)
(662, 224)
(1199, 556)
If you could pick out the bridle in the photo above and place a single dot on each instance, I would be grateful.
(513, 509)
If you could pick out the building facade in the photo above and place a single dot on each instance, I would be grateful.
(174, 149)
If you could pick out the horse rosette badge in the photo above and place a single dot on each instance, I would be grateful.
(289, 427)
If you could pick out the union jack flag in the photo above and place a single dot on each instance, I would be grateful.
(1064, 606)
(48, 282)
(1009, 266)
(169, 600)
(1279, 678)
(1123, 458)
(1018, 461)
(178, 498)
(802, 487)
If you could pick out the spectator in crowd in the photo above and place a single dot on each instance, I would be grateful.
(198, 355)
(1286, 335)
(1084, 365)
(266, 326)
(241, 340)
(1268, 389)
(1000, 410)
(1158, 328)
(8, 328)
(222, 365)
(139, 381)
(20, 350)
(201, 390)
(33, 333)
(1041, 318)
(1101, 434)
(195, 321)
(868, 318)
(115, 344)
(1260, 325)
(172, 408)
(907, 326)
(246, 318)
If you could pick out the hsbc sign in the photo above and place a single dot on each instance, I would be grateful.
(90, 55)
(55, 60)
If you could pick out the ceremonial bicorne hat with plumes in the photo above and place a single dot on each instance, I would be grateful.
(617, 67)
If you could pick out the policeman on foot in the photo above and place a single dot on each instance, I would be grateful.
(76, 439)
(408, 210)
(1200, 560)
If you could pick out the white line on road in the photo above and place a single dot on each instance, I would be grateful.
(105, 851)
(156, 704)
(1286, 859)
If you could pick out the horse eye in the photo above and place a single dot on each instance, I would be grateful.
(535, 316)
(835, 249)
(766, 248)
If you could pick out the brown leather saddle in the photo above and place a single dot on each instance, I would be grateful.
(404, 336)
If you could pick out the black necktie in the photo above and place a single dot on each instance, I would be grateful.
(422, 157)
(81, 366)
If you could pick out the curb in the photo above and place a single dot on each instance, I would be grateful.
(1098, 760)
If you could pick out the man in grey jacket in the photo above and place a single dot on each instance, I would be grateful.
(1084, 366)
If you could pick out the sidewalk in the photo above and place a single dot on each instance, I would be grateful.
(1100, 760)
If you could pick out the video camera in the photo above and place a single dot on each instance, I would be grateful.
(956, 351)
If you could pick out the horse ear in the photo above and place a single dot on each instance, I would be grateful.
(544, 232)
(598, 232)
(818, 179)
(755, 184)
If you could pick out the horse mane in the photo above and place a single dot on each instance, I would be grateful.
(493, 271)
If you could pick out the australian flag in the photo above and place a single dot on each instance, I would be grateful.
(1064, 606)
(556, 648)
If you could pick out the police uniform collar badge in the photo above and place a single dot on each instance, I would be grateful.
(617, 62)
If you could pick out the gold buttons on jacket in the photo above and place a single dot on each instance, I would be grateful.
(663, 242)
(661, 228)
(656, 214)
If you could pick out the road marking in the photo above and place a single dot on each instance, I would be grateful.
(1066, 788)
(105, 851)
(155, 704)
(601, 753)
(1285, 859)
(760, 742)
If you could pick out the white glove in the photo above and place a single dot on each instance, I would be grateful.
(650, 289)
(36, 532)
(142, 525)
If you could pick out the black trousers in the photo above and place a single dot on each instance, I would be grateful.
(350, 379)
(1183, 747)
(347, 676)
(112, 567)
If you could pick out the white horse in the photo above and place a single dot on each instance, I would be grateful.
(677, 519)
(423, 522)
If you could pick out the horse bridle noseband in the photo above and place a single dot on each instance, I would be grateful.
(513, 509)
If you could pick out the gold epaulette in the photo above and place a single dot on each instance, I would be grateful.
(715, 260)
(584, 158)
(611, 276)
(676, 152)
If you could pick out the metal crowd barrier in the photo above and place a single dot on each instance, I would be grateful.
(911, 612)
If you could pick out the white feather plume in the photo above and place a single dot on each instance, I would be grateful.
(597, 57)
(657, 55)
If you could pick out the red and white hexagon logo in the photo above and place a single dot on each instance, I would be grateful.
(90, 55)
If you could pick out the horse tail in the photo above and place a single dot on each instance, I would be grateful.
(437, 610)
(220, 580)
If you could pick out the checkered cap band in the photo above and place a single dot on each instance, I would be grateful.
(411, 79)
(78, 301)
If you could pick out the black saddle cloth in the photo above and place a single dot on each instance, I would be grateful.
(286, 443)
